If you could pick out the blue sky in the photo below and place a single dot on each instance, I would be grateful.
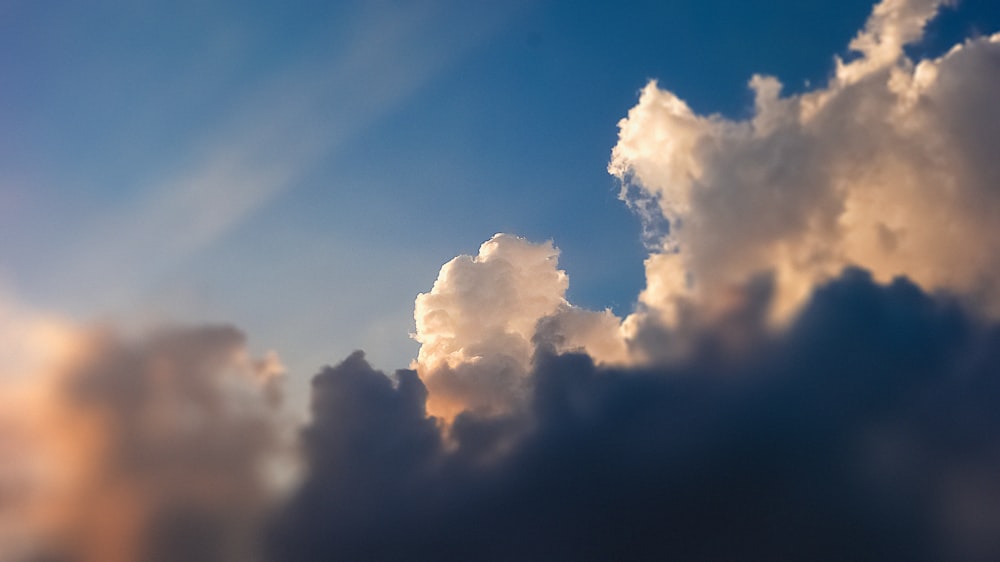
(302, 171)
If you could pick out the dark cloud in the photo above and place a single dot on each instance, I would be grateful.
(868, 430)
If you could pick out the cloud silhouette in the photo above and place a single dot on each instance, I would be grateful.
(865, 431)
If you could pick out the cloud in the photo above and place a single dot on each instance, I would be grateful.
(885, 167)
(864, 431)
(165, 447)
(477, 323)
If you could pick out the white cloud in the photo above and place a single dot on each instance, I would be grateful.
(478, 325)
(886, 167)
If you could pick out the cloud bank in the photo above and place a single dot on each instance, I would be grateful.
(867, 430)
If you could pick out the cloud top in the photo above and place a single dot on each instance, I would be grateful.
(884, 167)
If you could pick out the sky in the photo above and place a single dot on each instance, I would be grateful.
(280, 168)
(384, 279)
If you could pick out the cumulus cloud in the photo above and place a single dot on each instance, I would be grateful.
(886, 167)
(767, 400)
(867, 430)
(477, 323)
(166, 447)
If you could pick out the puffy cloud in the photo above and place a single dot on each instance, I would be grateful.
(165, 447)
(477, 323)
(866, 430)
(886, 167)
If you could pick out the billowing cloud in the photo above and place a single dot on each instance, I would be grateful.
(477, 323)
(887, 167)
(867, 430)
(167, 447)
(859, 425)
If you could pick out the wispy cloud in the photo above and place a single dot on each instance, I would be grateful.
(263, 143)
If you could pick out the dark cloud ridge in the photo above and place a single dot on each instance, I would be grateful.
(866, 430)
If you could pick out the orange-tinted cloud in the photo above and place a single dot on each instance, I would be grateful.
(156, 448)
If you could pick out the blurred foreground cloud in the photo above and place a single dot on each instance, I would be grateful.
(477, 323)
(166, 447)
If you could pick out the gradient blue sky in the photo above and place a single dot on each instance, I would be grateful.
(303, 170)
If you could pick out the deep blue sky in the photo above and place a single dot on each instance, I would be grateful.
(303, 170)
